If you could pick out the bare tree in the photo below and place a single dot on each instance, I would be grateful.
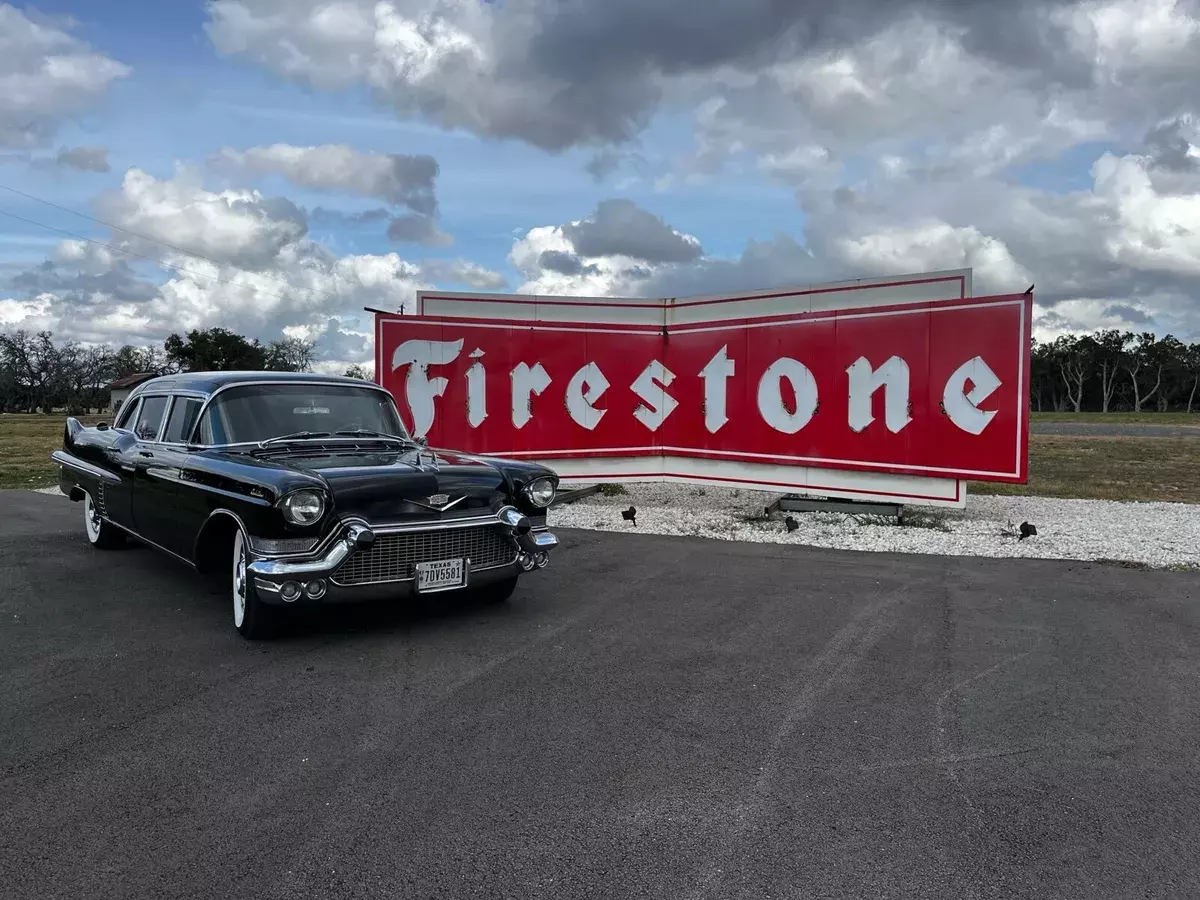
(1142, 359)
(1110, 350)
(1073, 356)
(1191, 364)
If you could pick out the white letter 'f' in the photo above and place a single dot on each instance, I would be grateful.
(419, 388)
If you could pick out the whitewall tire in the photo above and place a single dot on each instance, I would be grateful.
(101, 534)
(251, 617)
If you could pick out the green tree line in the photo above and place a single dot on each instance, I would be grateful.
(1102, 372)
(1115, 370)
(38, 373)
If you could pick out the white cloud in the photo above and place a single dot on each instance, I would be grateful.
(1121, 251)
(397, 178)
(264, 276)
(1132, 35)
(462, 271)
(1150, 231)
(931, 246)
(237, 226)
(433, 59)
(46, 76)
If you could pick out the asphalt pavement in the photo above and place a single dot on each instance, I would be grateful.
(649, 717)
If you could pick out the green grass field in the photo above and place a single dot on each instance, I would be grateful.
(1121, 418)
(1107, 468)
(26, 443)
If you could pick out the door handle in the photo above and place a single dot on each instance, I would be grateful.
(146, 453)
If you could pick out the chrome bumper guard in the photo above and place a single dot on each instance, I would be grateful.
(534, 546)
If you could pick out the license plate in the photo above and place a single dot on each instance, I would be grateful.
(440, 575)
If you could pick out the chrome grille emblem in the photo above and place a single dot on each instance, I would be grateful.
(438, 502)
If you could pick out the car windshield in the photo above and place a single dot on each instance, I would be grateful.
(257, 413)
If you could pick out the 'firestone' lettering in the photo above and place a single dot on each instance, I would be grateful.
(589, 384)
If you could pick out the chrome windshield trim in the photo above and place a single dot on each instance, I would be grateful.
(342, 439)
(315, 382)
(71, 462)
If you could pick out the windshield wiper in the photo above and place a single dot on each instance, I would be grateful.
(297, 436)
(367, 432)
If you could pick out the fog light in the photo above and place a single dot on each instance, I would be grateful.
(290, 591)
(526, 562)
(315, 590)
(541, 560)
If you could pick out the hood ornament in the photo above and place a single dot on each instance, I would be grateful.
(439, 502)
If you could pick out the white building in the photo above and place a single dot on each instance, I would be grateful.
(120, 389)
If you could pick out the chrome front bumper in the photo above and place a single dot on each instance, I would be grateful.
(312, 579)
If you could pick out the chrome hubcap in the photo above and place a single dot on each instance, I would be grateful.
(239, 584)
(92, 519)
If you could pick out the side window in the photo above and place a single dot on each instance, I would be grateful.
(128, 414)
(182, 420)
(211, 431)
(150, 418)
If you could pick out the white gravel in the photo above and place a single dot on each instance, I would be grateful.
(49, 490)
(1160, 535)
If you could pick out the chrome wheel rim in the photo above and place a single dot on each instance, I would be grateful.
(91, 519)
(239, 580)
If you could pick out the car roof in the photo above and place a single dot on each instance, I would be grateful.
(209, 382)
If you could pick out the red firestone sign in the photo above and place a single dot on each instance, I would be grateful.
(896, 389)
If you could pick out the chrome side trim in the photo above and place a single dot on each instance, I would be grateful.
(182, 559)
(72, 462)
(245, 498)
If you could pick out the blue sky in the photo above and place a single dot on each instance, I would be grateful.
(183, 102)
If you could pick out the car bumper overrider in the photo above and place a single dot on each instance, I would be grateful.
(364, 561)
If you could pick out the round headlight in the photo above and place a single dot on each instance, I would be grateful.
(541, 491)
(303, 507)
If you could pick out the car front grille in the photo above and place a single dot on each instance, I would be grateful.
(395, 556)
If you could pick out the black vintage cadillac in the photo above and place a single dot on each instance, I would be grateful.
(303, 489)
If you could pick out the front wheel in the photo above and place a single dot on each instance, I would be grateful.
(252, 618)
(101, 534)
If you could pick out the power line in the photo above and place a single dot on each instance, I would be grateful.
(157, 262)
(145, 237)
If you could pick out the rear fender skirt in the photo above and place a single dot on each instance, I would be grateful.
(75, 464)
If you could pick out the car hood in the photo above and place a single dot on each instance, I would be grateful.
(391, 485)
